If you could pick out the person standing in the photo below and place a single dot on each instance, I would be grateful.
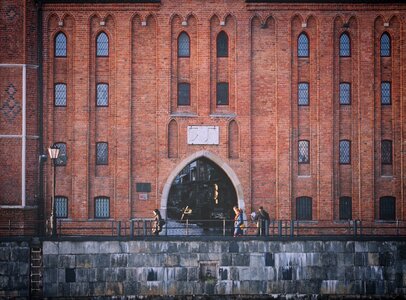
(157, 222)
(238, 221)
(262, 218)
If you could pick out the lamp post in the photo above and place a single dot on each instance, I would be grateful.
(53, 154)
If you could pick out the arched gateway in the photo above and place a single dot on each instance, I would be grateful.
(204, 183)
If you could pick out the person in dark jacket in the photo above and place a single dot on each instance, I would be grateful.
(262, 218)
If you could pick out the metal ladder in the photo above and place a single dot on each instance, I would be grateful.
(36, 272)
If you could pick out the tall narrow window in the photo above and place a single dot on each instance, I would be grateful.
(386, 98)
(60, 45)
(345, 45)
(303, 152)
(222, 93)
(102, 208)
(387, 208)
(345, 152)
(102, 44)
(62, 157)
(303, 208)
(345, 208)
(60, 94)
(345, 93)
(222, 44)
(61, 207)
(102, 153)
(385, 45)
(303, 45)
(386, 152)
(183, 45)
(303, 93)
(102, 97)
(183, 93)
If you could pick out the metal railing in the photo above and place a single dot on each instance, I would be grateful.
(220, 227)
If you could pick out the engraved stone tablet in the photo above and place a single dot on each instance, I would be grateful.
(203, 135)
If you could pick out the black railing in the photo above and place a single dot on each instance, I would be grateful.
(218, 227)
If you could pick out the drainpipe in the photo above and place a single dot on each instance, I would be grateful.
(40, 80)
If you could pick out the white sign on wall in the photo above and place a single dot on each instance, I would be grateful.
(203, 135)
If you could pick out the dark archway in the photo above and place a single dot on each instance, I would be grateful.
(206, 191)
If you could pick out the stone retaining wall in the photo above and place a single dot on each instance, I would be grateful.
(162, 267)
(14, 269)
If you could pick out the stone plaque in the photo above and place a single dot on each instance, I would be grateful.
(203, 135)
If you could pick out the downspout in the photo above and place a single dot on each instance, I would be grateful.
(41, 200)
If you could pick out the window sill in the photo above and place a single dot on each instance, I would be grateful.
(183, 114)
(219, 115)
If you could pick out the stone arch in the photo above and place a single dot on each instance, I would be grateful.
(214, 158)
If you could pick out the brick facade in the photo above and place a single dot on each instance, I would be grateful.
(260, 128)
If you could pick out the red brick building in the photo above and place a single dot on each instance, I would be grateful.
(298, 106)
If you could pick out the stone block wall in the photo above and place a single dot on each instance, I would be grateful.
(14, 269)
(228, 267)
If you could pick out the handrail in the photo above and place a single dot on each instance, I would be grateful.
(218, 227)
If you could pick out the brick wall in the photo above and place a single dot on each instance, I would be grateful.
(146, 130)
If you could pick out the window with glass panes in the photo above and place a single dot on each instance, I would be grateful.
(385, 45)
(184, 93)
(102, 208)
(60, 94)
(61, 207)
(102, 45)
(304, 208)
(102, 153)
(183, 45)
(222, 93)
(345, 45)
(345, 93)
(386, 93)
(345, 208)
(345, 152)
(62, 157)
(102, 94)
(303, 93)
(387, 208)
(386, 152)
(60, 45)
(222, 44)
(303, 45)
(303, 152)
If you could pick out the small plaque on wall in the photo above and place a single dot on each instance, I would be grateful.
(143, 187)
(203, 135)
(143, 196)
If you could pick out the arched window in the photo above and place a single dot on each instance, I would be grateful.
(345, 152)
(303, 208)
(183, 45)
(386, 152)
(61, 207)
(60, 94)
(62, 157)
(102, 94)
(303, 93)
(303, 45)
(102, 208)
(345, 208)
(387, 208)
(303, 152)
(102, 44)
(345, 45)
(222, 44)
(385, 45)
(386, 89)
(102, 153)
(60, 45)
(345, 93)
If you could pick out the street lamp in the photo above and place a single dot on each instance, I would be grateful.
(53, 154)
